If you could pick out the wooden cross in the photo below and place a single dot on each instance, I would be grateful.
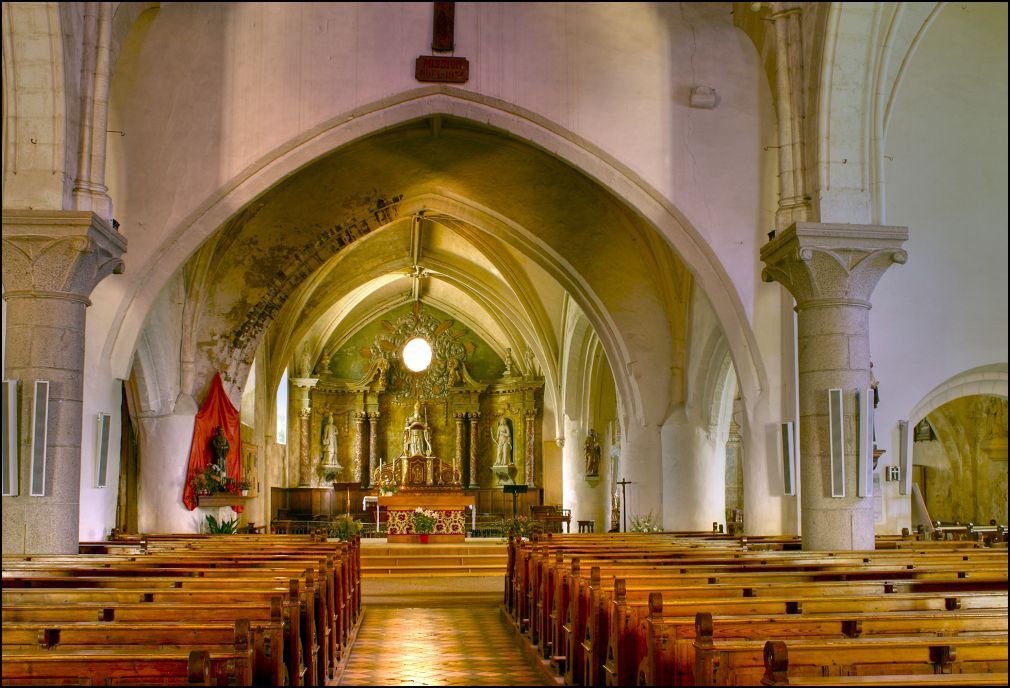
(443, 30)
(624, 501)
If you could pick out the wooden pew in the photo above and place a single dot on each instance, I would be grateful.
(588, 634)
(265, 637)
(669, 658)
(626, 645)
(776, 658)
(333, 641)
(185, 551)
(736, 662)
(540, 582)
(203, 666)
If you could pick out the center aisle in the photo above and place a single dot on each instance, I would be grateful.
(440, 628)
(443, 646)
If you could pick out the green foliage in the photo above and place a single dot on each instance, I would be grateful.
(424, 520)
(221, 527)
(645, 524)
(518, 526)
(344, 527)
(212, 480)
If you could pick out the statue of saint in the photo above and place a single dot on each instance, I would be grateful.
(453, 371)
(503, 442)
(416, 437)
(508, 363)
(329, 442)
(219, 447)
(382, 367)
(592, 449)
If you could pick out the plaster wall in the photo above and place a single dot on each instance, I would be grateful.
(199, 113)
(945, 311)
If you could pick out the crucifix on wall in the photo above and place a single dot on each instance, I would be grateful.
(438, 68)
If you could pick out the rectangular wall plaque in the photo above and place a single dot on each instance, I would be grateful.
(836, 442)
(102, 429)
(40, 430)
(864, 397)
(11, 437)
(448, 70)
(787, 443)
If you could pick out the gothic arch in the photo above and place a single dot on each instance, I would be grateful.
(988, 379)
(523, 125)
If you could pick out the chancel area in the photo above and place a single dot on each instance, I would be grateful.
(589, 329)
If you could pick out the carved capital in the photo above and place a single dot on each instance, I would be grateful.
(59, 254)
(832, 263)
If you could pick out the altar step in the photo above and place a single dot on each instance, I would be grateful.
(467, 559)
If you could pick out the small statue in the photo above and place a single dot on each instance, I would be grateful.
(592, 450)
(508, 363)
(503, 441)
(453, 371)
(329, 441)
(219, 447)
(382, 367)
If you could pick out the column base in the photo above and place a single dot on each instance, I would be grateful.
(833, 530)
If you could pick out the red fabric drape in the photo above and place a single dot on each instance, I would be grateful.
(217, 410)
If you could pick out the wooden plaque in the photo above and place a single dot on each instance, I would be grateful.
(452, 70)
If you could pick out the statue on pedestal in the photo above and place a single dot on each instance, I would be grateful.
(329, 442)
(503, 443)
(416, 435)
(219, 447)
(592, 449)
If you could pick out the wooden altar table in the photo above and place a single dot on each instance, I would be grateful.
(450, 507)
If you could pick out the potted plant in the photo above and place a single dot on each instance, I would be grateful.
(221, 527)
(344, 527)
(424, 523)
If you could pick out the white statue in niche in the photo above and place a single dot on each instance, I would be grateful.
(329, 441)
(503, 443)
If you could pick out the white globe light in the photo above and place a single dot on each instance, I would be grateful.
(417, 355)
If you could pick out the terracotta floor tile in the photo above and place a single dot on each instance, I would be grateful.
(436, 646)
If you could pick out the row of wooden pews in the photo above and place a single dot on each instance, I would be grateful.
(699, 608)
(182, 610)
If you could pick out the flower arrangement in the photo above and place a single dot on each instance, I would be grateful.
(424, 521)
(645, 524)
(212, 480)
(516, 526)
(387, 486)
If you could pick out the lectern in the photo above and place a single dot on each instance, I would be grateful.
(515, 490)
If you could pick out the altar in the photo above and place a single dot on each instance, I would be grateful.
(449, 507)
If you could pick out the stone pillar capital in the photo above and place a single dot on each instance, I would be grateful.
(305, 383)
(837, 264)
(58, 253)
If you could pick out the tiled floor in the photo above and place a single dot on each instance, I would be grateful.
(443, 646)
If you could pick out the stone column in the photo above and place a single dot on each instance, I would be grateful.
(360, 443)
(303, 385)
(831, 271)
(52, 261)
(457, 459)
(372, 460)
(531, 444)
(474, 417)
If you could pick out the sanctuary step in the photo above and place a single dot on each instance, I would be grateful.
(382, 559)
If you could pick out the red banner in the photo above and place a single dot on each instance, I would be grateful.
(217, 411)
